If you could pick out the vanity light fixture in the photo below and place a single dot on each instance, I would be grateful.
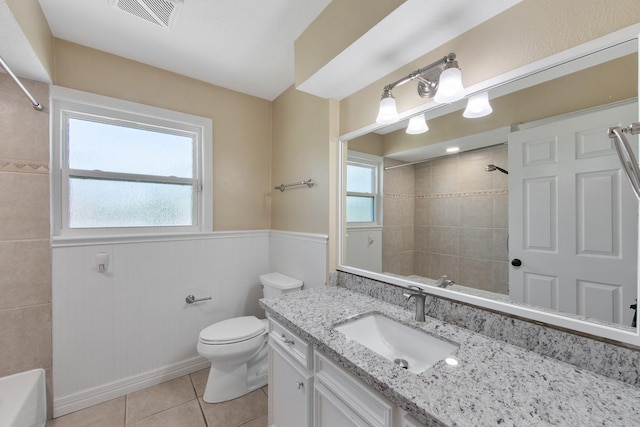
(453, 149)
(388, 113)
(417, 124)
(441, 81)
(478, 106)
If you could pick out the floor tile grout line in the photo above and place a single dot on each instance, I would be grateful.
(204, 417)
(126, 407)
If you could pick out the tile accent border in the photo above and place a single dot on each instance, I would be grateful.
(488, 193)
(24, 166)
(608, 359)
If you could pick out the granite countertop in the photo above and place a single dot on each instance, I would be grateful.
(495, 383)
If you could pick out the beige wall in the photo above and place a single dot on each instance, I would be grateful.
(339, 25)
(25, 259)
(241, 125)
(529, 31)
(371, 143)
(301, 150)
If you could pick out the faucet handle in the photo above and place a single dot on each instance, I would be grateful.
(418, 292)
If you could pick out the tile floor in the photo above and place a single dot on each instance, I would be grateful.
(175, 403)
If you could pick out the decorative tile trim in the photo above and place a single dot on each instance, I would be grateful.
(608, 359)
(24, 166)
(487, 193)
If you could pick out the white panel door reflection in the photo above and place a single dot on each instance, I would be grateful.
(573, 219)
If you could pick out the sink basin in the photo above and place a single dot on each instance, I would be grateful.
(397, 342)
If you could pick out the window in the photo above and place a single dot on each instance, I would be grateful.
(363, 204)
(121, 167)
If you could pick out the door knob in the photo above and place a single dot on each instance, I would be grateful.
(516, 262)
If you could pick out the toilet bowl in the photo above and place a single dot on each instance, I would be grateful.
(237, 347)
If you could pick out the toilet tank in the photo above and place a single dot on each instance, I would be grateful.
(275, 284)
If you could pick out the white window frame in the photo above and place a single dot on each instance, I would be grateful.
(374, 162)
(69, 103)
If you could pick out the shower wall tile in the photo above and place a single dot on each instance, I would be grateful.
(476, 242)
(423, 179)
(444, 265)
(476, 273)
(451, 216)
(24, 206)
(422, 212)
(24, 132)
(445, 211)
(501, 211)
(473, 176)
(445, 240)
(390, 210)
(407, 207)
(500, 158)
(25, 283)
(25, 338)
(476, 211)
(500, 244)
(501, 277)
(422, 238)
(422, 263)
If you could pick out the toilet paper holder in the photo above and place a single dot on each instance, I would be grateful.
(190, 299)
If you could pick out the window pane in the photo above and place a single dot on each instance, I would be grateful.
(360, 209)
(360, 179)
(105, 203)
(113, 148)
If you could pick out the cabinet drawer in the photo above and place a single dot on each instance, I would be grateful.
(291, 343)
(368, 404)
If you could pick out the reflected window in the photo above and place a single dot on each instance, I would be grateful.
(363, 203)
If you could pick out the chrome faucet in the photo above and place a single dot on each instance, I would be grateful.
(420, 297)
(443, 282)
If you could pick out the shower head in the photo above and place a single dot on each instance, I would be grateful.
(492, 167)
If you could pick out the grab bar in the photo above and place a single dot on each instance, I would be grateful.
(309, 183)
(625, 153)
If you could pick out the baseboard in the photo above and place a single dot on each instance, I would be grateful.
(81, 400)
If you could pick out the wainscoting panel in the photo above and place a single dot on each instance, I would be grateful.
(129, 326)
(300, 255)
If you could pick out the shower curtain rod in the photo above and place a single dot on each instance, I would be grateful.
(442, 157)
(36, 104)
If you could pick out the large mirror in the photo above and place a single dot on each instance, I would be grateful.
(533, 211)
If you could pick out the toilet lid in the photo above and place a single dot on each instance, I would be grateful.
(233, 330)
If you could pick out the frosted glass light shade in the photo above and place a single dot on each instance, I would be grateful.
(417, 124)
(388, 112)
(450, 87)
(478, 106)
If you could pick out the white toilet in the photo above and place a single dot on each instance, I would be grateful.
(237, 347)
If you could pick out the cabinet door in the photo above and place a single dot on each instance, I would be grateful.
(290, 391)
(330, 411)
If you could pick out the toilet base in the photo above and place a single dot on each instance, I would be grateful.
(229, 381)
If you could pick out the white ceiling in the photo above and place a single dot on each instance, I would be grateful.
(248, 45)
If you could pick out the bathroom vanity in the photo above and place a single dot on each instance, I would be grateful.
(319, 377)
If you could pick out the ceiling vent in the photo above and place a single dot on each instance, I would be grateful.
(160, 12)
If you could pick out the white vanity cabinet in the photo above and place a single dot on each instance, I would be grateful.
(308, 389)
(290, 379)
(341, 399)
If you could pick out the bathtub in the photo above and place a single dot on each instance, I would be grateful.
(22, 399)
